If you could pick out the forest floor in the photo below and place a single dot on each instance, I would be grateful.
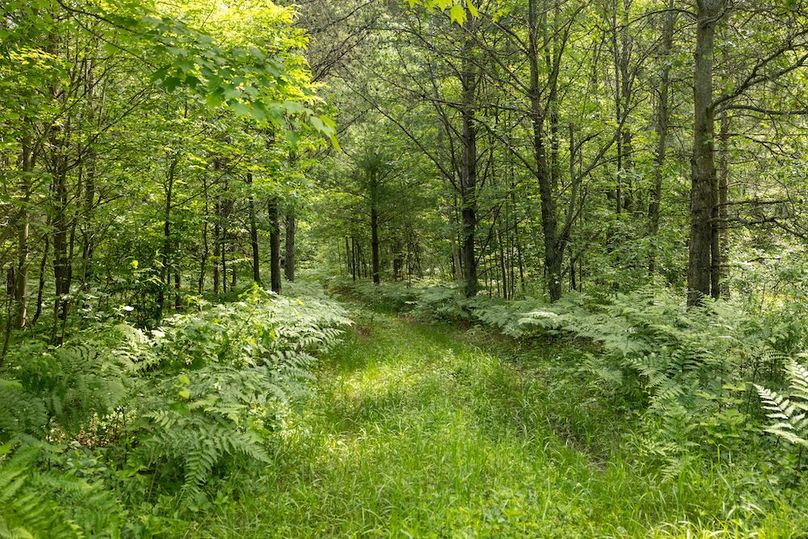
(416, 430)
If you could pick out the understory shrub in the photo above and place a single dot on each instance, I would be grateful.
(166, 411)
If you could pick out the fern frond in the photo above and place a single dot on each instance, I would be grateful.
(790, 422)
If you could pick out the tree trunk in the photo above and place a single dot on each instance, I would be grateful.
(353, 255)
(621, 51)
(553, 248)
(166, 257)
(203, 259)
(468, 181)
(703, 196)
(43, 266)
(87, 235)
(274, 245)
(61, 260)
(256, 257)
(217, 245)
(723, 207)
(177, 287)
(503, 271)
(11, 281)
(661, 129)
(23, 250)
(225, 207)
(374, 244)
(289, 261)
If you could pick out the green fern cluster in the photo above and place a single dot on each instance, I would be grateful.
(120, 416)
(60, 500)
(47, 389)
(789, 413)
(685, 370)
(24, 512)
(224, 377)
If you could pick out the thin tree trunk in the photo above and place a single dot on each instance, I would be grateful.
(661, 128)
(553, 248)
(353, 255)
(177, 287)
(9, 308)
(703, 196)
(274, 245)
(224, 207)
(723, 206)
(374, 244)
(203, 261)
(61, 262)
(166, 257)
(23, 250)
(468, 191)
(502, 264)
(43, 266)
(291, 231)
(217, 245)
(256, 255)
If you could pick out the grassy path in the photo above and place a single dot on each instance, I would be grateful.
(413, 432)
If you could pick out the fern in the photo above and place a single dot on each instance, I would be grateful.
(222, 378)
(56, 502)
(174, 408)
(20, 411)
(680, 369)
(789, 414)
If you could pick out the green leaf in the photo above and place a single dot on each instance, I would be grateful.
(457, 14)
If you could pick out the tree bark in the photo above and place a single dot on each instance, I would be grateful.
(166, 257)
(723, 207)
(256, 255)
(553, 247)
(703, 197)
(225, 208)
(43, 266)
(62, 267)
(217, 245)
(203, 259)
(274, 245)
(468, 180)
(661, 129)
(177, 287)
(291, 231)
(23, 250)
(374, 244)
(353, 256)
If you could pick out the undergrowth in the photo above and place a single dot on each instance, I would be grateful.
(439, 430)
(126, 431)
(679, 389)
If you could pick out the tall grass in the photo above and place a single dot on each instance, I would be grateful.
(420, 431)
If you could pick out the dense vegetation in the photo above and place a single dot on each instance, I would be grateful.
(497, 268)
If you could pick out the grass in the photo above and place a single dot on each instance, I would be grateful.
(415, 431)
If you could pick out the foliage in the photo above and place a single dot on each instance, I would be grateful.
(689, 374)
(518, 173)
(418, 427)
(157, 414)
(789, 413)
(223, 378)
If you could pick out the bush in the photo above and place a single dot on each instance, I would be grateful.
(118, 417)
